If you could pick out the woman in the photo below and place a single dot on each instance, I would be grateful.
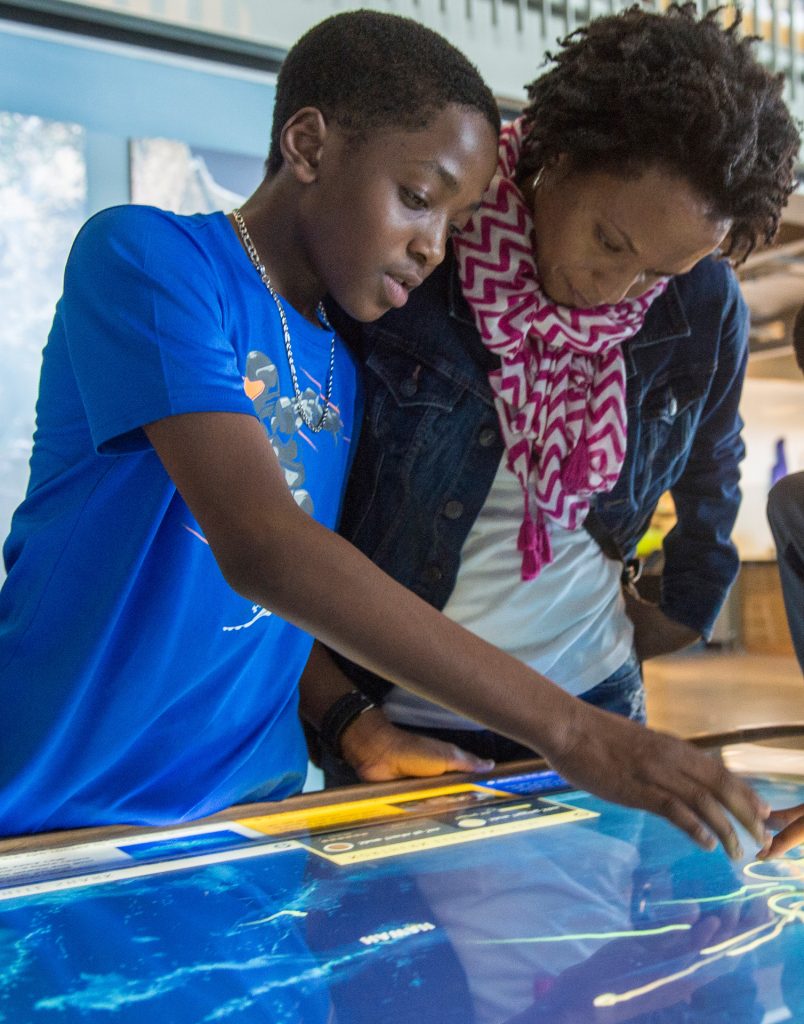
(596, 282)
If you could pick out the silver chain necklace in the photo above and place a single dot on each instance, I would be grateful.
(254, 256)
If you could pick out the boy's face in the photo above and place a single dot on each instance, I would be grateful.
(381, 212)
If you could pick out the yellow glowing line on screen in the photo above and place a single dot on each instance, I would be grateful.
(737, 945)
(579, 936)
(796, 864)
(743, 895)
(613, 998)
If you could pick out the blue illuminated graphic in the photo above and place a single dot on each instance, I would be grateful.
(183, 846)
(609, 916)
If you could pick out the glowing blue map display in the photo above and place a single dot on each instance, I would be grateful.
(507, 902)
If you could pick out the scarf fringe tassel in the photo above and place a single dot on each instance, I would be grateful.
(534, 543)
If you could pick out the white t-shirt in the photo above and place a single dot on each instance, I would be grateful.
(569, 623)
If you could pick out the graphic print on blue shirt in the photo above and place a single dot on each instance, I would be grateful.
(282, 422)
(142, 687)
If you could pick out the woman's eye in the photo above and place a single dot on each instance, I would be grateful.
(606, 242)
(413, 199)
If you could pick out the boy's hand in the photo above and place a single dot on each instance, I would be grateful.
(631, 764)
(379, 751)
(791, 823)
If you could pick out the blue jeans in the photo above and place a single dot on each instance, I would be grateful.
(622, 693)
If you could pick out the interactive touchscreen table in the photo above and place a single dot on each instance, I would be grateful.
(503, 900)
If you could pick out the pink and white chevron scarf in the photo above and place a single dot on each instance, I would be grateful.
(560, 391)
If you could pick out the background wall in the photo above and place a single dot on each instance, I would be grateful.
(507, 39)
(481, 28)
(69, 110)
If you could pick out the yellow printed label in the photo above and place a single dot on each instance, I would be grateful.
(335, 815)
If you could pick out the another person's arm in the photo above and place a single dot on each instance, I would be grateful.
(790, 822)
(786, 520)
(274, 554)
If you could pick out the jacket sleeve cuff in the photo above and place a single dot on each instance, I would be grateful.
(695, 605)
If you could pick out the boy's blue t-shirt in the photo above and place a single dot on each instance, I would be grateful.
(136, 685)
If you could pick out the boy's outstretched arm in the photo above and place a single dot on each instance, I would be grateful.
(274, 554)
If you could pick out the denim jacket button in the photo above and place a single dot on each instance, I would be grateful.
(408, 388)
(487, 437)
(432, 574)
(673, 407)
(453, 510)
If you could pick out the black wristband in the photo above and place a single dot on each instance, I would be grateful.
(341, 715)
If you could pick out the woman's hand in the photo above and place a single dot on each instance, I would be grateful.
(791, 822)
(380, 751)
(654, 632)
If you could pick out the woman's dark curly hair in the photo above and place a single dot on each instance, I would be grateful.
(638, 90)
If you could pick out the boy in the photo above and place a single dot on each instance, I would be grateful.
(140, 687)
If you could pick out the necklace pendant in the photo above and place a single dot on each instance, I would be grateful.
(298, 403)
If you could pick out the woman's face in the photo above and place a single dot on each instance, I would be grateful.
(599, 238)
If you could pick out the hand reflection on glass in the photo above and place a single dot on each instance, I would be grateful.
(599, 936)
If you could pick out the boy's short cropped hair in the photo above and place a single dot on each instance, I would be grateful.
(368, 71)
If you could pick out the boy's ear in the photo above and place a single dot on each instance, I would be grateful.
(302, 141)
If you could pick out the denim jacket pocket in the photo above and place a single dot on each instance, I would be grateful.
(406, 398)
(665, 422)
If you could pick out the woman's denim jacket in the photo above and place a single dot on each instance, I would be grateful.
(430, 444)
